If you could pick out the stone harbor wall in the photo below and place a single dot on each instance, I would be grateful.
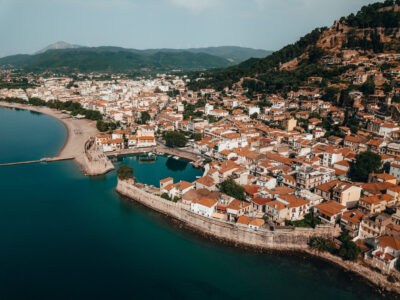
(285, 240)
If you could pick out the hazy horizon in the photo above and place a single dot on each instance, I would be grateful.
(28, 26)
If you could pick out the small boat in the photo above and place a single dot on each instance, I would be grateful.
(150, 157)
(176, 157)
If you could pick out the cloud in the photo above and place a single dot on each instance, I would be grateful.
(196, 5)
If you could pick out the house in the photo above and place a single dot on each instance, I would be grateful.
(344, 193)
(177, 189)
(194, 195)
(113, 145)
(101, 138)
(276, 210)
(243, 220)
(205, 182)
(259, 203)
(297, 207)
(238, 208)
(384, 177)
(204, 206)
(165, 182)
(386, 129)
(374, 225)
(289, 181)
(256, 224)
(385, 254)
(351, 221)
(353, 142)
(146, 141)
(329, 212)
(395, 170)
(375, 204)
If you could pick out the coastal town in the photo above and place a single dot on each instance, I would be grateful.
(309, 162)
(270, 161)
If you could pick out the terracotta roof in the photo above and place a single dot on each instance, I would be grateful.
(276, 205)
(389, 241)
(237, 204)
(206, 201)
(244, 220)
(261, 201)
(330, 208)
(354, 216)
(257, 222)
(166, 180)
(206, 180)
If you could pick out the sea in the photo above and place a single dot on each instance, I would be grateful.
(67, 236)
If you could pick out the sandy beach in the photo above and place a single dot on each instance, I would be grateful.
(79, 131)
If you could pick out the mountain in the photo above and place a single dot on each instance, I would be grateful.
(374, 29)
(113, 60)
(233, 54)
(59, 46)
(64, 57)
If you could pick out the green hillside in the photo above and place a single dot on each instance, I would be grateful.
(374, 29)
(113, 61)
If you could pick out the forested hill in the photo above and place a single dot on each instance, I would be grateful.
(64, 57)
(94, 60)
(374, 29)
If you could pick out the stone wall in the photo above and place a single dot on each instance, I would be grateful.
(285, 240)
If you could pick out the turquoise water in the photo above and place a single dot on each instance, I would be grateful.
(66, 236)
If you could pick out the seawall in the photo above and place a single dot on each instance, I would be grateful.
(266, 239)
(263, 239)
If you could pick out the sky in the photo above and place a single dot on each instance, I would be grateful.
(27, 26)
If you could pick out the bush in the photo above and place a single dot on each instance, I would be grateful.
(309, 221)
(321, 244)
(166, 197)
(207, 161)
(125, 172)
(231, 188)
(175, 138)
(366, 163)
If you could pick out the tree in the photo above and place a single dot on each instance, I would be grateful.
(101, 126)
(197, 137)
(366, 163)
(348, 250)
(321, 244)
(368, 88)
(175, 138)
(315, 54)
(125, 172)
(144, 117)
(231, 188)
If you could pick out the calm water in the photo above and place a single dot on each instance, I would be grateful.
(66, 236)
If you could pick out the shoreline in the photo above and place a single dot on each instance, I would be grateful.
(378, 282)
(78, 131)
(375, 280)
(305, 255)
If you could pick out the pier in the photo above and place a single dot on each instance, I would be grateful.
(43, 160)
